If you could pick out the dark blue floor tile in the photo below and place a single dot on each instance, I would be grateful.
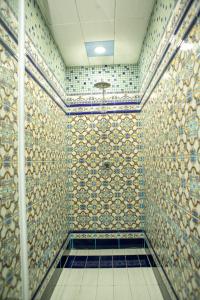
(144, 262)
(92, 262)
(83, 244)
(69, 262)
(106, 262)
(119, 261)
(131, 243)
(62, 261)
(79, 262)
(132, 261)
(151, 260)
(107, 244)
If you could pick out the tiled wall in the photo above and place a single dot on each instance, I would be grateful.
(171, 119)
(100, 197)
(45, 180)
(45, 142)
(123, 78)
(42, 39)
(161, 14)
(10, 281)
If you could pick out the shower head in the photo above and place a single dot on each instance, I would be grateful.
(102, 85)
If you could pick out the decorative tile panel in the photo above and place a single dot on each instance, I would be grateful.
(104, 174)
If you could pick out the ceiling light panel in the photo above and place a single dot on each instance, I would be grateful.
(91, 48)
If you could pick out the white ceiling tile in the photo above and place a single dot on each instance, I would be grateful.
(130, 28)
(75, 55)
(131, 58)
(133, 8)
(128, 38)
(127, 48)
(97, 24)
(98, 31)
(62, 12)
(103, 60)
(67, 34)
(96, 10)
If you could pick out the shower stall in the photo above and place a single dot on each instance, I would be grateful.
(102, 158)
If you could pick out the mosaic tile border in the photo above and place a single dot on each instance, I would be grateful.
(112, 102)
(109, 98)
(107, 234)
(123, 79)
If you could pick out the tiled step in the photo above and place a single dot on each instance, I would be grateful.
(107, 243)
(101, 252)
(107, 261)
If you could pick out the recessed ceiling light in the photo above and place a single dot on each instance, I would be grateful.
(100, 50)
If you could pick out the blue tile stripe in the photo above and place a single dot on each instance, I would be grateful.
(99, 243)
(102, 112)
(103, 104)
(111, 261)
(107, 231)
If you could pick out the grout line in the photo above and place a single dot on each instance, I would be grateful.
(82, 31)
(115, 8)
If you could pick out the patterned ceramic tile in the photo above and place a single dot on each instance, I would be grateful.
(98, 99)
(103, 186)
(103, 172)
(9, 212)
(41, 38)
(45, 173)
(106, 235)
(170, 40)
(161, 14)
(172, 168)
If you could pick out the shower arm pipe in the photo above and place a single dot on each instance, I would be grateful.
(21, 153)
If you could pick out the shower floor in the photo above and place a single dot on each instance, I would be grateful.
(108, 274)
